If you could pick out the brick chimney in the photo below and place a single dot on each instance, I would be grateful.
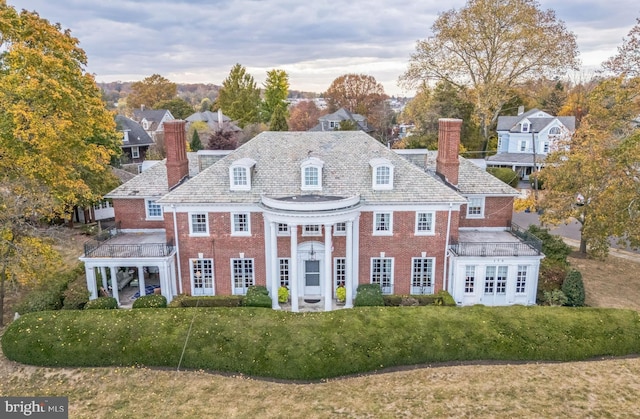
(447, 163)
(176, 147)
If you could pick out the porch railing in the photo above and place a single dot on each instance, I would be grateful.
(528, 245)
(147, 250)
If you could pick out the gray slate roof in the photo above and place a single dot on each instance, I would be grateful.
(471, 178)
(514, 158)
(152, 183)
(346, 171)
(137, 135)
(342, 115)
(511, 123)
(154, 116)
(212, 120)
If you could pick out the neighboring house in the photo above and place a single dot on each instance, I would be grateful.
(216, 121)
(135, 140)
(152, 121)
(528, 135)
(313, 210)
(104, 209)
(331, 122)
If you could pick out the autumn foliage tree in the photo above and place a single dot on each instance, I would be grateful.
(56, 137)
(304, 115)
(489, 46)
(150, 91)
(627, 60)
(358, 93)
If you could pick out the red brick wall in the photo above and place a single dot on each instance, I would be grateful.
(497, 213)
(175, 144)
(447, 163)
(132, 214)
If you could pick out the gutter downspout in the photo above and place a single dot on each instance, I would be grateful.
(446, 250)
(175, 237)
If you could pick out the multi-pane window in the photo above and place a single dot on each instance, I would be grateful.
(424, 223)
(135, 152)
(153, 210)
(470, 279)
(239, 176)
(475, 207)
(382, 273)
(311, 176)
(339, 271)
(555, 131)
(521, 279)
(382, 223)
(283, 229)
(198, 224)
(242, 275)
(422, 276)
(202, 275)
(523, 146)
(283, 264)
(312, 230)
(495, 281)
(383, 175)
(526, 126)
(240, 224)
(545, 147)
(501, 280)
(340, 229)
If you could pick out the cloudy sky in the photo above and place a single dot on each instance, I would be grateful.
(314, 41)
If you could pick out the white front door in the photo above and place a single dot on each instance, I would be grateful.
(495, 285)
(312, 277)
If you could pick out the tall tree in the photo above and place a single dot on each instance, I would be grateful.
(150, 91)
(179, 108)
(488, 47)
(304, 115)
(56, 137)
(239, 97)
(595, 177)
(279, 119)
(627, 60)
(358, 93)
(275, 97)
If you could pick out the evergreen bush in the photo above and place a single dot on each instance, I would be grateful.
(555, 298)
(76, 296)
(506, 175)
(553, 247)
(150, 301)
(573, 288)
(257, 296)
(369, 295)
(102, 303)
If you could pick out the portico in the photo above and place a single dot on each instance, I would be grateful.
(312, 222)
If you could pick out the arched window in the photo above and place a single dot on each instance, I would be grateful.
(311, 174)
(240, 174)
(555, 131)
(526, 126)
(381, 173)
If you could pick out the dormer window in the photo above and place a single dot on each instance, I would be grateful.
(311, 174)
(381, 174)
(526, 126)
(240, 174)
(145, 124)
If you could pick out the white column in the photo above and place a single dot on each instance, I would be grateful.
(328, 277)
(141, 287)
(293, 274)
(349, 266)
(114, 284)
(356, 253)
(91, 283)
(273, 257)
(103, 273)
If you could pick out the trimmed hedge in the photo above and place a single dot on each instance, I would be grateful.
(506, 175)
(310, 346)
(257, 296)
(102, 303)
(150, 301)
(207, 301)
(410, 300)
(368, 295)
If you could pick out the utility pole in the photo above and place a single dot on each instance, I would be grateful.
(535, 171)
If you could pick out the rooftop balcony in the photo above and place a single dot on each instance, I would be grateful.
(113, 243)
(512, 242)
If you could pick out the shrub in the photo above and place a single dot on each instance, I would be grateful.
(553, 247)
(506, 175)
(446, 298)
(150, 301)
(283, 294)
(102, 303)
(573, 288)
(555, 298)
(341, 294)
(76, 296)
(532, 180)
(257, 296)
(369, 295)
(393, 300)
(207, 301)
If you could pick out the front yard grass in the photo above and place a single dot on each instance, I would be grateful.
(311, 346)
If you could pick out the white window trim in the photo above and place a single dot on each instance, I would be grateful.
(286, 232)
(198, 233)
(431, 277)
(233, 224)
(308, 163)
(431, 232)
(281, 263)
(391, 280)
(482, 205)
(525, 279)
(135, 152)
(253, 275)
(193, 279)
(388, 232)
(246, 164)
(146, 210)
(337, 232)
(306, 232)
(375, 164)
(525, 126)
